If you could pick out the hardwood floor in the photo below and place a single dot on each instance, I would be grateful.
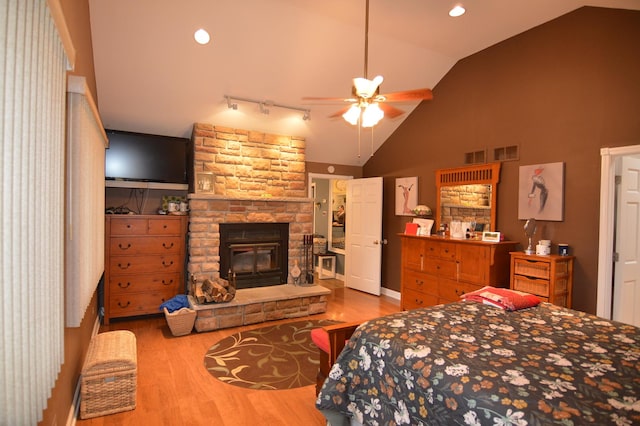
(175, 389)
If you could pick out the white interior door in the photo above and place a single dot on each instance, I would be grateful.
(626, 287)
(363, 235)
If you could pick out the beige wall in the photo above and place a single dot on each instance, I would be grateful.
(561, 92)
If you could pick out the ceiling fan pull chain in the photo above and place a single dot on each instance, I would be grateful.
(359, 127)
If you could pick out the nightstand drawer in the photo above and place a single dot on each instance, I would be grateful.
(532, 268)
(528, 285)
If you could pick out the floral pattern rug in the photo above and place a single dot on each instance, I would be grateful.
(274, 357)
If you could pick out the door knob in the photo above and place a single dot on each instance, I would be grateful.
(384, 241)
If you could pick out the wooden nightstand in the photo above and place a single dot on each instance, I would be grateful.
(549, 277)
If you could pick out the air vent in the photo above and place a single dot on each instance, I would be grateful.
(475, 157)
(506, 153)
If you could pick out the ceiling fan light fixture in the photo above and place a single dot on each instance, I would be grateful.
(352, 115)
(371, 115)
(367, 88)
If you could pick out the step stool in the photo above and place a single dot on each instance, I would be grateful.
(326, 266)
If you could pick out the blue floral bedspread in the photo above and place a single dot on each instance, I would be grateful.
(472, 364)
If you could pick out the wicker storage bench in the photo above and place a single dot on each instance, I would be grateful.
(109, 375)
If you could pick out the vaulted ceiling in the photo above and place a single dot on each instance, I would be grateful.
(152, 77)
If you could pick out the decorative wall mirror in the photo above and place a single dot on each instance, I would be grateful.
(468, 194)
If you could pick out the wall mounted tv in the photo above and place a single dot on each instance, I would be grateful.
(146, 158)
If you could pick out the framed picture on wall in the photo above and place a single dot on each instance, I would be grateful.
(204, 182)
(406, 195)
(541, 192)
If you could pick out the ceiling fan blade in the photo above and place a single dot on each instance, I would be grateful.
(409, 95)
(339, 113)
(390, 111)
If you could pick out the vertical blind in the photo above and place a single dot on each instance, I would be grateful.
(32, 99)
(84, 231)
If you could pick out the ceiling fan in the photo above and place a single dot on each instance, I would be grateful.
(367, 106)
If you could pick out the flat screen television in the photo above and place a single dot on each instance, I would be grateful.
(146, 158)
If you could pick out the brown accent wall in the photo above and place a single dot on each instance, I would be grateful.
(561, 91)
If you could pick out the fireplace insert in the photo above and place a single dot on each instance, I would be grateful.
(258, 253)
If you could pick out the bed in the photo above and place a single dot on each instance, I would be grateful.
(470, 363)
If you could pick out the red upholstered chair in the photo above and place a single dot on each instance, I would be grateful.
(330, 341)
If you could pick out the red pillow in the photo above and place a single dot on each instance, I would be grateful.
(511, 300)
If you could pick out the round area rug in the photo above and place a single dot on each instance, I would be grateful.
(274, 357)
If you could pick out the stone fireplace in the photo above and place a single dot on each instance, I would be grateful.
(257, 179)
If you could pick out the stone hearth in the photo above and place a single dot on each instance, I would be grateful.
(255, 305)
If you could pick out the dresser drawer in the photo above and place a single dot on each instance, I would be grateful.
(119, 265)
(164, 227)
(441, 268)
(419, 282)
(451, 291)
(130, 304)
(532, 268)
(142, 283)
(538, 287)
(128, 226)
(440, 250)
(121, 246)
(412, 299)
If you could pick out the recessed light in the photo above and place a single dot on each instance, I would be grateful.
(202, 36)
(457, 10)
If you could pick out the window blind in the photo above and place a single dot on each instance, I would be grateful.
(32, 99)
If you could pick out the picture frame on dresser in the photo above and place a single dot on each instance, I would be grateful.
(491, 237)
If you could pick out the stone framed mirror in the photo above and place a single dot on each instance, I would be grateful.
(468, 194)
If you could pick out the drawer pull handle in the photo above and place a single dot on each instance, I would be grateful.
(124, 306)
(164, 226)
(128, 226)
(123, 247)
(125, 285)
(460, 292)
(167, 283)
(166, 265)
(167, 246)
(124, 267)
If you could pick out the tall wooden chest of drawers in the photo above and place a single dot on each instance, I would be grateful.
(550, 277)
(438, 270)
(144, 263)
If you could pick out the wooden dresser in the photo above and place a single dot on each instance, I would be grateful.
(144, 263)
(550, 277)
(437, 270)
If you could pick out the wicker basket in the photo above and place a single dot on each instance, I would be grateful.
(180, 321)
(109, 375)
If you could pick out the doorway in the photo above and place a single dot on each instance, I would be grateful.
(611, 159)
(329, 194)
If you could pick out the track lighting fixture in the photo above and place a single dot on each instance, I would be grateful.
(265, 105)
